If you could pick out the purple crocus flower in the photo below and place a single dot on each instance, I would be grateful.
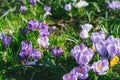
(53, 28)
(97, 36)
(47, 8)
(57, 51)
(81, 72)
(69, 77)
(36, 54)
(112, 50)
(43, 41)
(67, 7)
(43, 29)
(101, 67)
(78, 49)
(101, 49)
(33, 2)
(6, 39)
(27, 47)
(114, 4)
(82, 54)
(23, 9)
(33, 24)
(84, 57)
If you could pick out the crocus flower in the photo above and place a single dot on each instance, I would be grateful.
(27, 47)
(114, 61)
(33, 2)
(84, 57)
(69, 77)
(6, 39)
(114, 4)
(23, 9)
(84, 34)
(43, 41)
(36, 54)
(98, 36)
(33, 24)
(82, 54)
(78, 49)
(43, 29)
(101, 49)
(53, 28)
(67, 7)
(85, 29)
(81, 72)
(80, 4)
(101, 67)
(57, 51)
(47, 10)
(112, 50)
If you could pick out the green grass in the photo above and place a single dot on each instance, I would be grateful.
(66, 36)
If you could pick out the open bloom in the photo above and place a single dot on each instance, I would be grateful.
(82, 54)
(57, 51)
(70, 77)
(43, 41)
(67, 7)
(23, 9)
(101, 67)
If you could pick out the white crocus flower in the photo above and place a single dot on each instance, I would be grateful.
(81, 4)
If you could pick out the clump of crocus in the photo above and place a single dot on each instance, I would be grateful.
(6, 39)
(108, 50)
(23, 9)
(85, 29)
(28, 54)
(67, 7)
(57, 51)
(114, 4)
(33, 2)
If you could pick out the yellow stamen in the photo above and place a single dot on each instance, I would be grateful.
(114, 61)
(100, 67)
(68, 76)
(80, 70)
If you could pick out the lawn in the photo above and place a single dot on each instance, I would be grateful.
(59, 39)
